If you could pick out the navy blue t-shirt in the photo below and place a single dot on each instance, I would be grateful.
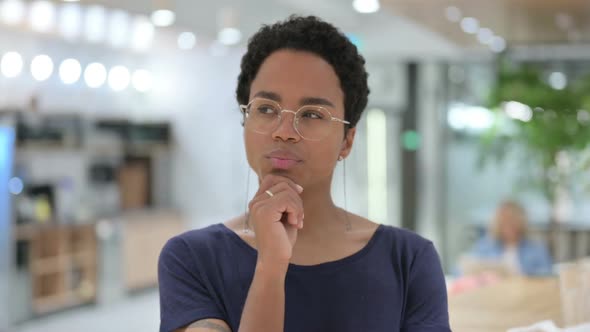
(395, 283)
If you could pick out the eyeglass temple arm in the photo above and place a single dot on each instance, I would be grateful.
(340, 120)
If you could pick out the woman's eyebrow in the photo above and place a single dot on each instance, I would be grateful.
(315, 101)
(303, 101)
(268, 95)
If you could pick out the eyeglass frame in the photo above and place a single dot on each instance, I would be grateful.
(244, 110)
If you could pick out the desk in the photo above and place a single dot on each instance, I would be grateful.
(509, 303)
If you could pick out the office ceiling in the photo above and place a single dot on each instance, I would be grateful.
(403, 28)
(519, 22)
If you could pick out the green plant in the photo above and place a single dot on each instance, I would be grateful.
(553, 140)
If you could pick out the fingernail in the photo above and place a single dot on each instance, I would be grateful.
(301, 224)
(299, 188)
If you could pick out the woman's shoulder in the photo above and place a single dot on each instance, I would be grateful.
(387, 234)
(203, 234)
(204, 245)
(410, 251)
(404, 236)
(402, 242)
(208, 237)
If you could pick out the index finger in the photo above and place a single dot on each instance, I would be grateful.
(270, 180)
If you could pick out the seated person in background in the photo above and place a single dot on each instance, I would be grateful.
(507, 250)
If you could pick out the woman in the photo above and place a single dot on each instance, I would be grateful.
(295, 261)
(509, 247)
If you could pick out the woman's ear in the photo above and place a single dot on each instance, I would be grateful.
(347, 142)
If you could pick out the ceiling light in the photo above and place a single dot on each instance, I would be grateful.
(498, 44)
(11, 64)
(95, 24)
(119, 78)
(187, 40)
(485, 36)
(70, 20)
(12, 12)
(142, 33)
(118, 28)
(470, 25)
(70, 71)
(229, 36)
(163, 17)
(95, 75)
(42, 15)
(453, 14)
(41, 67)
(366, 6)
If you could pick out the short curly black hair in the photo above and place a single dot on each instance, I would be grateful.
(314, 35)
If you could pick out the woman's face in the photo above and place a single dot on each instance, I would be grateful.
(509, 225)
(293, 79)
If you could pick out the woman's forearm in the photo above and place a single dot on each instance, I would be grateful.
(264, 310)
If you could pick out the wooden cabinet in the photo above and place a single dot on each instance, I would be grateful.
(62, 265)
(134, 184)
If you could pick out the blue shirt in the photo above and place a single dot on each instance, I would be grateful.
(533, 257)
(395, 283)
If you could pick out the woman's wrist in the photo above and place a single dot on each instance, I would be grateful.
(271, 271)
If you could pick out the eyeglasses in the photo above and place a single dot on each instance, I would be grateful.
(311, 122)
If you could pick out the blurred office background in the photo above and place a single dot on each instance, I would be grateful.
(119, 129)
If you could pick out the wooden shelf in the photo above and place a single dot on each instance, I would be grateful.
(28, 230)
(54, 264)
(63, 266)
(49, 265)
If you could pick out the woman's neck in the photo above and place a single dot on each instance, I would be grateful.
(322, 216)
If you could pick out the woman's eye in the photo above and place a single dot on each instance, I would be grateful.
(266, 110)
(312, 115)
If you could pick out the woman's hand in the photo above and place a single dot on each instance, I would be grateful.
(276, 219)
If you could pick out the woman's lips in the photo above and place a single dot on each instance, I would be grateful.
(279, 163)
(283, 159)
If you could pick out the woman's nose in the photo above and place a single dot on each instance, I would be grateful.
(286, 128)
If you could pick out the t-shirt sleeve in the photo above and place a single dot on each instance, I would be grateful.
(426, 304)
(184, 295)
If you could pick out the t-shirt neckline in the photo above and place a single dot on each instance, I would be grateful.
(325, 265)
